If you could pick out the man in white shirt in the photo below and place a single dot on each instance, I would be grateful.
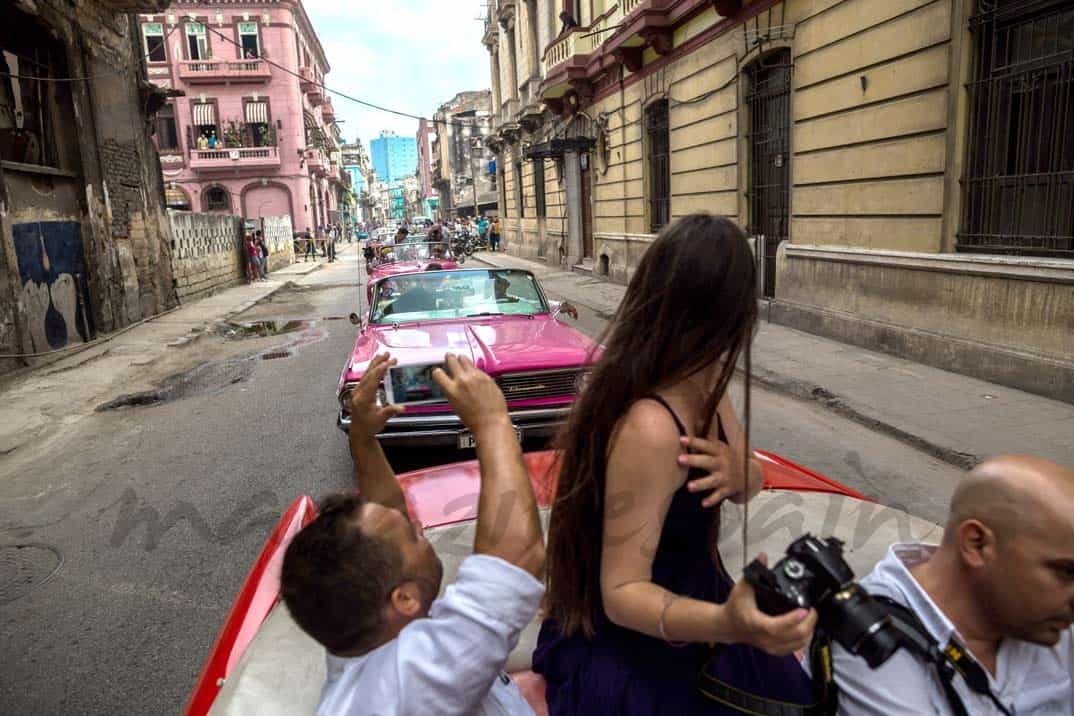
(1000, 584)
(362, 580)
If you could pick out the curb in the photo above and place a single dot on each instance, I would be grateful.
(810, 392)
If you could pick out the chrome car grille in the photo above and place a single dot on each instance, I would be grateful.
(540, 384)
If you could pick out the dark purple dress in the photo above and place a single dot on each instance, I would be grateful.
(621, 671)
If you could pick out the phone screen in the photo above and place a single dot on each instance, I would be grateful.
(413, 384)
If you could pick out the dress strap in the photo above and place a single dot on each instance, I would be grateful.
(674, 415)
(678, 421)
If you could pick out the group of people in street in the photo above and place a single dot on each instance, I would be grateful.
(327, 236)
(257, 256)
(635, 596)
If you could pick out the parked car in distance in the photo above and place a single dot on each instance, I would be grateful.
(500, 319)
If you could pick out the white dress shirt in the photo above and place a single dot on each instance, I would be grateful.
(451, 662)
(1029, 679)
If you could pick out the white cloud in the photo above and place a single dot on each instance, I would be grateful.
(409, 55)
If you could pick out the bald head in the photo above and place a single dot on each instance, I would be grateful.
(1012, 494)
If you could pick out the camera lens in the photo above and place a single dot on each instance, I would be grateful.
(860, 625)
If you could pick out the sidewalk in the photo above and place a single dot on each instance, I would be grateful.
(955, 418)
(56, 392)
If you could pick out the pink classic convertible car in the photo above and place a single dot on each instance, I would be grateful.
(500, 319)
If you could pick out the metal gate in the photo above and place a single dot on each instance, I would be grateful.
(1019, 183)
(769, 103)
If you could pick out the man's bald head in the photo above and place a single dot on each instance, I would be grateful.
(1012, 494)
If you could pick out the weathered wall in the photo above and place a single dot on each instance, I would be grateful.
(207, 255)
(83, 236)
(279, 236)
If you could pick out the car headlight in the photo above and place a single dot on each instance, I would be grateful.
(345, 397)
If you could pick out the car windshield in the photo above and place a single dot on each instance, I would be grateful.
(436, 295)
(425, 251)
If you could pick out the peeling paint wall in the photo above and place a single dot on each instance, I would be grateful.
(83, 234)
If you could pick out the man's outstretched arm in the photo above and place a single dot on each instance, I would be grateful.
(508, 526)
(374, 475)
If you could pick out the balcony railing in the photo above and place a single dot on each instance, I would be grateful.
(237, 157)
(584, 40)
(215, 71)
(316, 162)
(306, 82)
(328, 112)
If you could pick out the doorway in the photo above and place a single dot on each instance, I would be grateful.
(769, 102)
(587, 208)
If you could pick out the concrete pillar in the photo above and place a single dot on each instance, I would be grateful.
(512, 66)
(531, 38)
(573, 169)
(497, 97)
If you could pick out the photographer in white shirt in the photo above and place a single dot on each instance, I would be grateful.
(362, 580)
(1000, 584)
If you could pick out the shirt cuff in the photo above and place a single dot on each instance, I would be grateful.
(508, 593)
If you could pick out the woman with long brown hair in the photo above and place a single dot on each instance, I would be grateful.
(636, 589)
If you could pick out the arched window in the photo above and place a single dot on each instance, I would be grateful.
(217, 199)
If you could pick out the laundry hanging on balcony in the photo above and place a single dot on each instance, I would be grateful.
(205, 115)
(257, 112)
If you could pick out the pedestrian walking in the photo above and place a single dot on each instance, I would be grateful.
(494, 234)
(259, 238)
(253, 258)
(311, 247)
(330, 243)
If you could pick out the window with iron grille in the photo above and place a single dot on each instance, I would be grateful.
(520, 196)
(658, 145)
(1018, 186)
(217, 199)
(538, 188)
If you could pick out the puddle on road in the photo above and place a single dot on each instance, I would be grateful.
(260, 329)
(219, 375)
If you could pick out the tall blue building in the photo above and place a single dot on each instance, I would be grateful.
(394, 157)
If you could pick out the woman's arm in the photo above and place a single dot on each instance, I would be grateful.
(642, 478)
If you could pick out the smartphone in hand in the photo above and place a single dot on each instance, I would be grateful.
(412, 385)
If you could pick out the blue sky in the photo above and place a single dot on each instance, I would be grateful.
(410, 55)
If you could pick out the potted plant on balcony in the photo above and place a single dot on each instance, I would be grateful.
(232, 135)
(266, 135)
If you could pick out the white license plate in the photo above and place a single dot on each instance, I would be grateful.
(466, 440)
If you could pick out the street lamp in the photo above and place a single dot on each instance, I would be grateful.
(475, 142)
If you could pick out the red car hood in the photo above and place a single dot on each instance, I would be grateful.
(497, 344)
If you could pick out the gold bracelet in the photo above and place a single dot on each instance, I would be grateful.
(663, 633)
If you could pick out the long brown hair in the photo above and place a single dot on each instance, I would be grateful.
(691, 302)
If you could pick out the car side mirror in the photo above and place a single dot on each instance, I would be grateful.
(355, 319)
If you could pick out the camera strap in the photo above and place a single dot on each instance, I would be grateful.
(950, 661)
(825, 690)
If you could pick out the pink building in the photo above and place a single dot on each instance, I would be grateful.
(425, 137)
(247, 137)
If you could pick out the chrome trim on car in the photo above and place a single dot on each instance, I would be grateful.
(448, 423)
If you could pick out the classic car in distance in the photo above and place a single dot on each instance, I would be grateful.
(500, 319)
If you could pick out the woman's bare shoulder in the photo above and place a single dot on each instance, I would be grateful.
(647, 429)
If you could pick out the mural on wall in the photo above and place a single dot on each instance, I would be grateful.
(55, 290)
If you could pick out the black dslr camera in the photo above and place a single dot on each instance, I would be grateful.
(815, 575)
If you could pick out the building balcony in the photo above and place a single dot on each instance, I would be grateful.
(328, 112)
(306, 82)
(224, 71)
(207, 160)
(316, 162)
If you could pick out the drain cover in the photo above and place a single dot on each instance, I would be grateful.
(275, 355)
(24, 567)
